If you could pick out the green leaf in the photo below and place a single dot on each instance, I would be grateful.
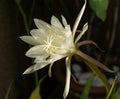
(101, 14)
(87, 87)
(100, 8)
(36, 93)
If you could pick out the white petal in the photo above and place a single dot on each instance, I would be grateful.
(29, 70)
(40, 65)
(55, 22)
(85, 27)
(57, 31)
(68, 31)
(42, 58)
(78, 19)
(35, 67)
(36, 51)
(56, 57)
(29, 40)
(68, 43)
(39, 34)
(41, 24)
(68, 75)
(64, 20)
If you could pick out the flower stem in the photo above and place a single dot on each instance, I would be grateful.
(24, 17)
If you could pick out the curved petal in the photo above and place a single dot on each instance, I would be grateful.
(92, 61)
(29, 70)
(68, 74)
(29, 40)
(55, 22)
(85, 27)
(35, 67)
(78, 19)
(79, 44)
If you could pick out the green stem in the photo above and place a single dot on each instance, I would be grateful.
(27, 28)
(24, 18)
(31, 12)
(111, 89)
(8, 91)
(36, 78)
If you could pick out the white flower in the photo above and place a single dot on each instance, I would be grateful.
(52, 42)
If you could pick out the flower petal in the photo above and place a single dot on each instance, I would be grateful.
(56, 57)
(92, 61)
(68, 31)
(38, 33)
(41, 24)
(35, 67)
(42, 58)
(79, 44)
(55, 22)
(78, 19)
(64, 21)
(40, 65)
(85, 27)
(29, 70)
(36, 51)
(68, 43)
(29, 40)
(68, 74)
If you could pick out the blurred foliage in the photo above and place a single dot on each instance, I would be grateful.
(112, 88)
(9, 90)
(36, 93)
(18, 1)
(116, 94)
(99, 7)
(86, 91)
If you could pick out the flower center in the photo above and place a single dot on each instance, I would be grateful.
(49, 47)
